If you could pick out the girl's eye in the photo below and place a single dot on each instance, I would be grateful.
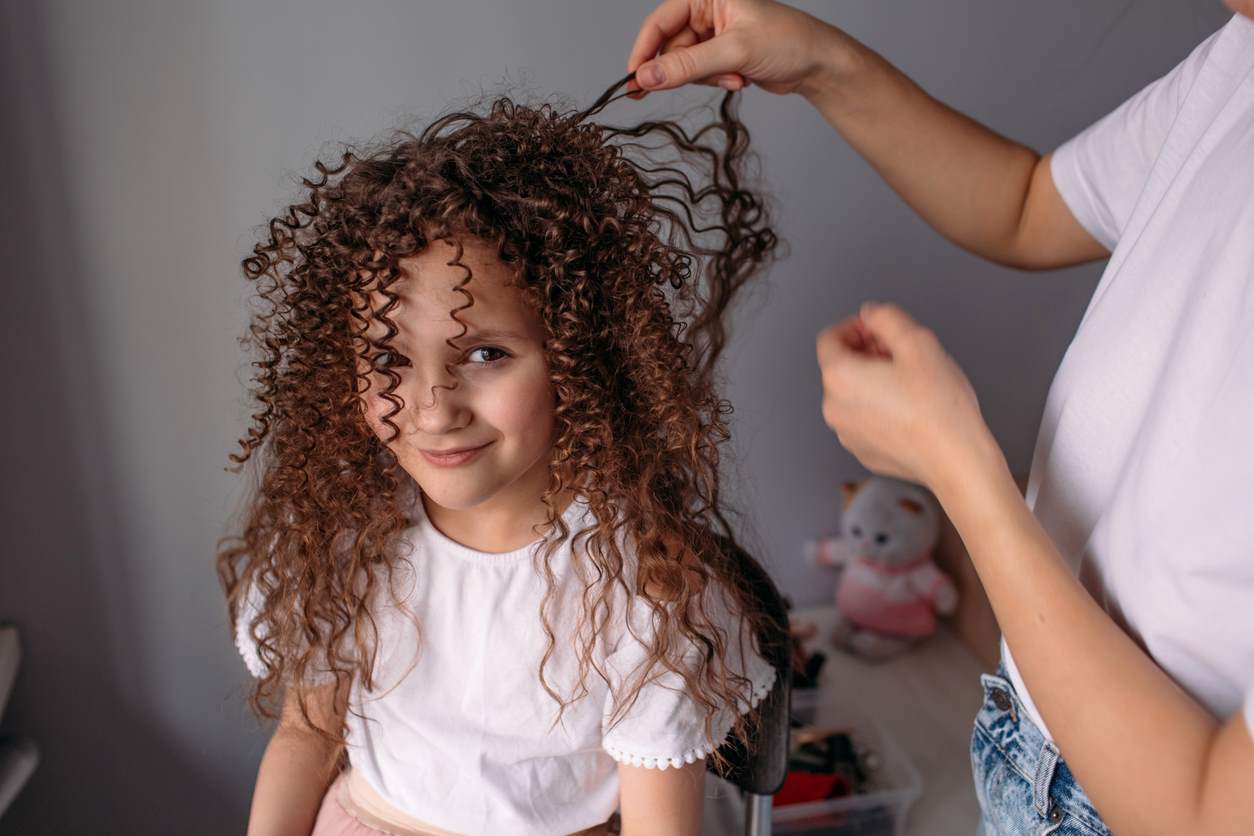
(388, 360)
(485, 354)
(881, 538)
(856, 531)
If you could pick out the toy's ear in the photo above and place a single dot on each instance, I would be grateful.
(847, 490)
(910, 505)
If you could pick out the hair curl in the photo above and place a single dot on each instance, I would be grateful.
(632, 242)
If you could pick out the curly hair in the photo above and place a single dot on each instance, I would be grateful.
(631, 242)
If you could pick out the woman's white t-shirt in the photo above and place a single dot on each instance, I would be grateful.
(1143, 472)
(459, 732)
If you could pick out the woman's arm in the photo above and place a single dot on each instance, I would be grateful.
(661, 802)
(988, 194)
(296, 769)
(984, 192)
(1150, 757)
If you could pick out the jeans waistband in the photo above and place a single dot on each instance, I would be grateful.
(1005, 721)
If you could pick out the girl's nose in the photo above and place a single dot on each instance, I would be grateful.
(441, 410)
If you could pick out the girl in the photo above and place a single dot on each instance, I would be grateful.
(486, 558)
(1125, 700)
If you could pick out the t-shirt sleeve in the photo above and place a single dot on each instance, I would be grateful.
(665, 726)
(249, 610)
(1101, 171)
(1248, 710)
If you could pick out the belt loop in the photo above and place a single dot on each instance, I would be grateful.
(1044, 777)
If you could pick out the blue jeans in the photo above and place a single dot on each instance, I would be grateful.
(1024, 787)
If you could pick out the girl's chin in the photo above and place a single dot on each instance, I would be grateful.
(454, 500)
(460, 497)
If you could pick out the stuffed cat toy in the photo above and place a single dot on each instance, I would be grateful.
(890, 590)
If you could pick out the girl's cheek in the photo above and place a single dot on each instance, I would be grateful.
(527, 405)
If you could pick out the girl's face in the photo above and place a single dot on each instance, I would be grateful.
(483, 444)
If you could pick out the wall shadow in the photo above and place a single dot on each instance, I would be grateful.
(106, 765)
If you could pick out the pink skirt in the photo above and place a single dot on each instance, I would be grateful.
(340, 816)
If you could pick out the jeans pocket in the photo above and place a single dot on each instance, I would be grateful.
(1004, 793)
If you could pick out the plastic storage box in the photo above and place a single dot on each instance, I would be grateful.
(879, 812)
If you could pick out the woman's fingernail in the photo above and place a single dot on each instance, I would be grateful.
(651, 75)
(727, 84)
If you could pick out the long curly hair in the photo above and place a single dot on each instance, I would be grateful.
(631, 242)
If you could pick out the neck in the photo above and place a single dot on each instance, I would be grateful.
(506, 522)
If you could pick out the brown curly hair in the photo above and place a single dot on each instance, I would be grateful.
(631, 242)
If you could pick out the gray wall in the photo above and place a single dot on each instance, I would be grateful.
(147, 139)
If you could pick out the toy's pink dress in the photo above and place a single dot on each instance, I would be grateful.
(897, 600)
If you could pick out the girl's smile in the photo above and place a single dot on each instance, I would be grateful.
(452, 457)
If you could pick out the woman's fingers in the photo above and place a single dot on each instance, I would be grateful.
(895, 399)
(719, 55)
(737, 43)
(660, 25)
(851, 335)
(678, 45)
(834, 341)
(889, 325)
(684, 39)
(663, 31)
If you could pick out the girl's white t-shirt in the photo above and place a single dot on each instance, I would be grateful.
(1143, 472)
(458, 731)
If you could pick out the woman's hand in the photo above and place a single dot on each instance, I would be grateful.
(898, 402)
(730, 43)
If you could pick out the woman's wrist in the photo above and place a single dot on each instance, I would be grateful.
(966, 477)
(839, 63)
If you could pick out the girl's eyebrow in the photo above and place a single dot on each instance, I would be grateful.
(491, 334)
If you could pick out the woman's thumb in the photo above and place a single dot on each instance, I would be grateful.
(688, 64)
(889, 324)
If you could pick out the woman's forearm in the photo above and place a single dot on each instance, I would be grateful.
(1151, 758)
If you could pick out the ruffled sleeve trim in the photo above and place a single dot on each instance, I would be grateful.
(247, 650)
(700, 751)
(244, 643)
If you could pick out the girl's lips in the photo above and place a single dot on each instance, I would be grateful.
(451, 458)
